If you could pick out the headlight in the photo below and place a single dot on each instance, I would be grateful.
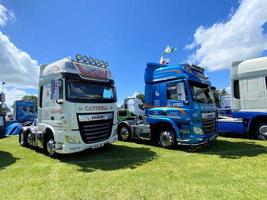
(114, 132)
(197, 130)
(72, 139)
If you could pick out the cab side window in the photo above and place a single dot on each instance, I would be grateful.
(57, 89)
(46, 95)
(236, 89)
(41, 97)
(176, 91)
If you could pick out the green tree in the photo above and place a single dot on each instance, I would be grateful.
(216, 95)
(223, 92)
(141, 97)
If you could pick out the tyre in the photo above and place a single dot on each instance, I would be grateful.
(49, 146)
(124, 132)
(23, 135)
(261, 131)
(167, 138)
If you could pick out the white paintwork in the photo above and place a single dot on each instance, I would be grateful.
(225, 101)
(252, 85)
(65, 121)
(135, 105)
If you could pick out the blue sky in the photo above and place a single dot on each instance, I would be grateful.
(126, 33)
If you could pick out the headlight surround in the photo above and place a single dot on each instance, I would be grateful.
(197, 130)
(115, 132)
(72, 139)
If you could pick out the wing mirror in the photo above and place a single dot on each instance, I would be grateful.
(59, 101)
(213, 88)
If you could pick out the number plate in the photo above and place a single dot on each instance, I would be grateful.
(98, 146)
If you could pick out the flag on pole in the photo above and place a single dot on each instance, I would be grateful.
(169, 50)
(164, 61)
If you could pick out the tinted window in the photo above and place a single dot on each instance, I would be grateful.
(82, 91)
(28, 109)
(236, 89)
(201, 92)
(266, 82)
(41, 97)
(176, 91)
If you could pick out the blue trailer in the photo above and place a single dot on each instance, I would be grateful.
(179, 108)
(24, 114)
(249, 99)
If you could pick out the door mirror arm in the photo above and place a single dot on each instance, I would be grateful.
(59, 101)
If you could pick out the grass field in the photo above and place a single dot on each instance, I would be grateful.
(228, 169)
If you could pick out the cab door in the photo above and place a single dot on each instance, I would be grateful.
(177, 99)
(50, 109)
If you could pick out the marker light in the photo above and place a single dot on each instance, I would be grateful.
(79, 57)
(106, 64)
(101, 63)
(85, 59)
(187, 68)
(91, 60)
(97, 62)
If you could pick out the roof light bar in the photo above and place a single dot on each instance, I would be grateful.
(197, 68)
(91, 61)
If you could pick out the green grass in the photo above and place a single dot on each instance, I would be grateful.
(227, 169)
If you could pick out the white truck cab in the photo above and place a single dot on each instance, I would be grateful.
(77, 107)
(249, 99)
(135, 106)
(248, 83)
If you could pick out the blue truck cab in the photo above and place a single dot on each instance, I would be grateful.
(24, 111)
(179, 107)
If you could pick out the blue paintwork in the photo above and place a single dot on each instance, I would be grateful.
(181, 115)
(13, 128)
(21, 114)
(231, 127)
(242, 127)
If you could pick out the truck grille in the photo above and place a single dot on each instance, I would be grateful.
(209, 126)
(95, 131)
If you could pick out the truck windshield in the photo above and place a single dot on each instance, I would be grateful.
(201, 93)
(81, 91)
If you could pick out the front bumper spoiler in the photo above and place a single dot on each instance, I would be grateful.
(190, 143)
(67, 148)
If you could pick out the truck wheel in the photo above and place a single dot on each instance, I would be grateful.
(23, 139)
(49, 146)
(262, 130)
(166, 138)
(124, 133)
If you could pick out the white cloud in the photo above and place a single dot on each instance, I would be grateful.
(6, 15)
(13, 94)
(241, 37)
(17, 67)
(134, 94)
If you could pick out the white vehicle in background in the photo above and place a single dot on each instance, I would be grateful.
(135, 106)
(249, 99)
(76, 107)
(225, 101)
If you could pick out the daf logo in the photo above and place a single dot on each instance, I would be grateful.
(97, 117)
